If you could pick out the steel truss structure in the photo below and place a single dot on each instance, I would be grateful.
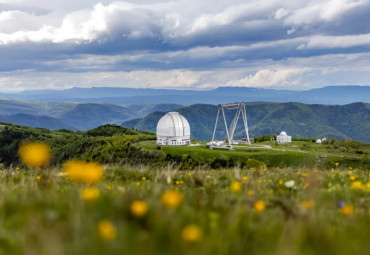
(240, 110)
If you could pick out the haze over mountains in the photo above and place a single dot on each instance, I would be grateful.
(350, 121)
(326, 95)
(70, 115)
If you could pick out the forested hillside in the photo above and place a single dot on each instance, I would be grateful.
(350, 121)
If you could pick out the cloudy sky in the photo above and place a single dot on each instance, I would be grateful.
(183, 44)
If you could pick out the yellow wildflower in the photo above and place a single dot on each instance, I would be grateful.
(258, 181)
(171, 198)
(259, 206)
(138, 208)
(109, 187)
(90, 194)
(350, 172)
(350, 168)
(245, 178)
(106, 230)
(332, 171)
(189, 174)
(62, 174)
(17, 168)
(138, 184)
(38, 177)
(143, 178)
(34, 154)
(356, 185)
(337, 163)
(48, 181)
(347, 210)
(236, 187)
(352, 178)
(192, 234)
(304, 174)
(81, 171)
(281, 182)
(177, 182)
(181, 182)
(368, 185)
(307, 205)
(306, 185)
(250, 192)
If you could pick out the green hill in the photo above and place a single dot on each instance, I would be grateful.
(350, 121)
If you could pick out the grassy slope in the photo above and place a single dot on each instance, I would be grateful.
(48, 216)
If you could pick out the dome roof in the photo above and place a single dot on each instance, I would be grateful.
(283, 133)
(173, 124)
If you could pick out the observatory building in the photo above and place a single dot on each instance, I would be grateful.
(173, 129)
(283, 138)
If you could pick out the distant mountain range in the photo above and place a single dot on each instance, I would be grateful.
(350, 121)
(74, 116)
(326, 95)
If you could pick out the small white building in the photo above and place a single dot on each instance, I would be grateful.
(283, 138)
(173, 129)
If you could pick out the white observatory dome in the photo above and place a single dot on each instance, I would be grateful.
(173, 129)
(283, 133)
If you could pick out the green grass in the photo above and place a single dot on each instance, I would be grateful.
(290, 155)
(48, 216)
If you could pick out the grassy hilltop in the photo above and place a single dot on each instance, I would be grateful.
(299, 198)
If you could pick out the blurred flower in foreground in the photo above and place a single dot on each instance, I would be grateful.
(259, 206)
(35, 154)
(337, 164)
(347, 210)
(171, 198)
(236, 187)
(192, 234)
(138, 208)
(81, 171)
(90, 194)
(356, 185)
(307, 205)
(107, 230)
(289, 184)
(341, 204)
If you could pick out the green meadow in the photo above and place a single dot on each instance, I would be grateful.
(300, 198)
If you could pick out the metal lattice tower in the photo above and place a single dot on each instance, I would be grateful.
(240, 109)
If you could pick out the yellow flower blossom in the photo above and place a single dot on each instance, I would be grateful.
(347, 210)
(304, 174)
(236, 187)
(306, 185)
(350, 172)
(81, 171)
(189, 174)
(17, 168)
(332, 171)
(352, 178)
(192, 234)
(181, 182)
(356, 185)
(171, 198)
(62, 174)
(138, 184)
(90, 194)
(34, 154)
(109, 187)
(337, 163)
(106, 230)
(38, 177)
(350, 168)
(138, 208)
(143, 178)
(307, 205)
(368, 186)
(281, 182)
(259, 206)
(250, 192)
(245, 178)
(177, 182)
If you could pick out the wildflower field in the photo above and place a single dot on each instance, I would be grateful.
(65, 192)
(125, 210)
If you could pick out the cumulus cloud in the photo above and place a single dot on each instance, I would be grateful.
(181, 43)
